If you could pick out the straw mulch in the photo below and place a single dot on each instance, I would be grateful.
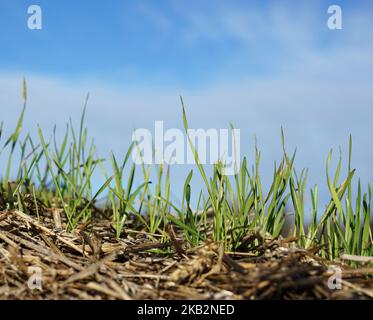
(90, 263)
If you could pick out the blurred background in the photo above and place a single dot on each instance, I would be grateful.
(257, 64)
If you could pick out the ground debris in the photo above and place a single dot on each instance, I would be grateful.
(90, 263)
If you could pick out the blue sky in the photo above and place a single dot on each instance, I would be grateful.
(163, 42)
(258, 64)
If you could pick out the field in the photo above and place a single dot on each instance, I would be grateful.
(139, 245)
